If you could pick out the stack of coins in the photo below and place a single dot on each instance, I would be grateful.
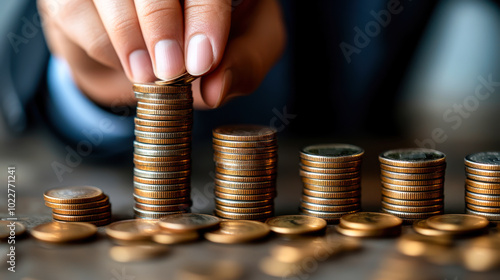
(370, 224)
(412, 183)
(482, 186)
(162, 148)
(245, 171)
(79, 204)
(331, 175)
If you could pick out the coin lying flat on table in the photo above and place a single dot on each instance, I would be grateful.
(423, 228)
(295, 224)
(6, 227)
(458, 222)
(188, 222)
(73, 195)
(370, 221)
(63, 232)
(368, 232)
(132, 230)
(237, 232)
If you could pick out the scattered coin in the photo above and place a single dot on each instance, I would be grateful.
(132, 230)
(295, 224)
(63, 232)
(188, 222)
(11, 228)
(237, 232)
(482, 254)
(370, 221)
(458, 222)
(368, 233)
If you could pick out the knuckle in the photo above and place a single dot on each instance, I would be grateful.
(98, 46)
(197, 10)
(123, 26)
(154, 12)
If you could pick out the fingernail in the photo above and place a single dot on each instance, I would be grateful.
(140, 66)
(200, 55)
(214, 101)
(169, 59)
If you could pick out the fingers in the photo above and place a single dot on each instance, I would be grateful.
(122, 25)
(207, 29)
(248, 57)
(162, 26)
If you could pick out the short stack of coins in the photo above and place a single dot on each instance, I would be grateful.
(412, 183)
(482, 185)
(246, 158)
(331, 177)
(162, 148)
(79, 204)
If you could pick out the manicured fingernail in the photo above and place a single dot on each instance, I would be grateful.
(140, 66)
(200, 55)
(169, 59)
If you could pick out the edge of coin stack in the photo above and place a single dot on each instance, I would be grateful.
(482, 185)
(246, 158)
(79, 204)
(162, 148)
(331, 177)
(412, 183)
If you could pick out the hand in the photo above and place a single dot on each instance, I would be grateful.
(109, 43)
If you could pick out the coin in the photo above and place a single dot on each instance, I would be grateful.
(412, 195)
(145, 116)
(248, 163)
(295, 224)
(251, 173)
(370, 221)
(237, 165)
(155, 88)
(329, 170)
(81, 218)
(412, 202)
(484, 209)
(245, 144)
(347, 164)
(482, 185)
(163, 208)
(242, 204)
(270, 155)
(342, 229)
(133, 253)
(180, 167)
(171, 181)
(182, 95)
(415, 157)
(332, 183)
(416, 245)
(88, 211)
(480, 202)
(160, 159)
(482, 196)
(244, 133)
(162, 194)
(161, 174)
(163, 135)
(328, 216)
(167, 237)
(482, 172)
(423, 228)
(481, 254)
(243, 185)
(411, 176)
(230, 232)
(480, 178)
(332, 153)
(406, 215)
(188, 222)
(173, 187)
(162, 153)
(347, 194)
(63, 232)
(72, 195)
(457, 222)
(482, 191)
(75, 206)
(132, 230)
(412, 209)
(412, 183)
(154, 215)
(244, 191)
(156, 106)
(161, 123)
(157, 147)
(11, 228)
(490, 216)
(184, 78)
(245, 210)
(162, 201)
(484, 160)
(413, 170)
(412, 188)
(243, 216)
(330, 201)
(325, 176)
(330, 208)
(331, 189)
(245, 179)
(248, 151)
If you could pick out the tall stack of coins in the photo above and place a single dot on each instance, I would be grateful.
(482, 186)
(162, 148)
(331, 175)
(246, 159)
(79, 204)
(412, 183)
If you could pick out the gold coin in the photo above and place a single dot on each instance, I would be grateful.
(188, 222)
(329, 170)
(412, 209)
(156, 106)
(166, 141)
(163, 208)
(244, 185)
(413, 170)
(244, 191)
(423, 228)
(490, 216)
(342, 229)
(484, 160)
(370, 221)
(412, 195)
(132, 230)
(181, 80)
(70, 206)
(317, 164)
(480, 202)
(11, 228)
(480, 178)
(328, 216)
(495, 210)
(414, 157)
(63, 232)
(88, 211)
(482, 172)
(330, 201)
(148, 99)
(405, 215)
(245, 144)
(81, 218)
(244, 132)
(295, 224)
(162, 118)
(458, 222)
(172, 181)
(182, 96)
(324, 176)
(246, 151)
(332, 189)
(482, 191)
(158, 201)
(230, 232)
(153, 215)
(403, 202)
(332, 183)
(238, 157)
(255, 197)
(72, 195)
(134, 253)
(411, 176)
(156, 88)
(332, 153)
(412, 182)
(235, 172)
(245, 179)
(161, 194)
(241, 204)
(162, 123)
(243, 216)
(347, 194)
(245, 210)
(186, 113)
(163, 168)
(170, 237)
(413, 188)
(330, 208)
(482, 185)
(482, 196)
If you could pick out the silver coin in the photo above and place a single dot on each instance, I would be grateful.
(156, 106)
(409, 157)
(167, 112)
(150, 187)
(332, 152)
(163, 117)
(489, 216)
(486, 160)
(162, 135)
(162, 153)
(161, 174)
(140, 145)
(188, 221)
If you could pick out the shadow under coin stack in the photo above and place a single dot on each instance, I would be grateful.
(245, 159)
(162, 148)
(79, 204)
(331, 176)
(482, 185)
(412, 183)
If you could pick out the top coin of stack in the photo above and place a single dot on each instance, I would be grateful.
(162, 147)
(482, 186)
(331, 175)
(245, 171)
(412, 183)
(79, 204)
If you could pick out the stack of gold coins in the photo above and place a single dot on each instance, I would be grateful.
(412, 183)
(79, 204)
(482, 186)
(162, 147)
(370, 224)
(246, 159)
(331, 175)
